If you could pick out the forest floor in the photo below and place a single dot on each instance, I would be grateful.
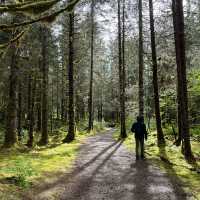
(22, 168)
(106, 170)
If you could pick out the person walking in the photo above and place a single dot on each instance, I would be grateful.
(139, 128)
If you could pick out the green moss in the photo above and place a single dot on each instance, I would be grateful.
(21, 167)
(31, 7)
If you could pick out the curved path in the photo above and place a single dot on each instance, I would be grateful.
(105, 170)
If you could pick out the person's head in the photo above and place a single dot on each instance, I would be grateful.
(140, 119)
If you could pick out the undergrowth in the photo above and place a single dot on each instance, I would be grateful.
(20, 167)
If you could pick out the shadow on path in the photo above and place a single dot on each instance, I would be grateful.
(83, 186)
(79, 168)
(105, 170)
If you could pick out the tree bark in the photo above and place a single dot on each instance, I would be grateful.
(121, 78)
(29, 99)
(182, 77)
(19, 113)
(71, 129)
(52, 106)
(39, 99)
(11, 124)
(62, 97)
(123, 53)
(44, 133)
(31, 113)
(179, 140)
(57, 93)
(160, 136)
(141, 61)
(90, 102)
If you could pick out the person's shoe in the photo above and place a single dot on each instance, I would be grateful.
(137, 157)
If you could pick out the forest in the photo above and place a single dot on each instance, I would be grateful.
(75, 75)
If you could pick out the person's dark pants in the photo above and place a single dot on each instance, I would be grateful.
(139, 147)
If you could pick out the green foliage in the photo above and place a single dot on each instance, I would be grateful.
(168, 102)
(21, 171)
(194, 96)
(33, 8)
(168, 105)
(21, 167)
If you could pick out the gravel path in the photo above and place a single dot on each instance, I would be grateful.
(105, 170)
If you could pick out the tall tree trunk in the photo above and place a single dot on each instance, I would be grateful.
(11, 124)
(123, 74)
(62, 97)
(19, 113)
(121, 78)
(57, 93)
(31, 113)
(160, 136)
(52, 108)
(29, 105)
(90, 103)
(100, 107)
(179, 140)
(71, 129)
(123, 52)
(181, 76)
(29, 99)
(39, 99)
(44, 133)
(141, 61)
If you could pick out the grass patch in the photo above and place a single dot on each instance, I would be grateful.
(20, 167)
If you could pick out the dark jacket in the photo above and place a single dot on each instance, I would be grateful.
(139, 129)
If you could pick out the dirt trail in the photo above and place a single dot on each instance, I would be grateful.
(105, 170)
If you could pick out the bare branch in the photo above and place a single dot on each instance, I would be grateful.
(47, 18)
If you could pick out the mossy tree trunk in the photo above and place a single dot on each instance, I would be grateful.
(19, 113)
(31, 113)
(39, 98)
(57, 93)
(182, 78)
(71, 123)
(62, 92)
(11, 123)
(44, 132)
